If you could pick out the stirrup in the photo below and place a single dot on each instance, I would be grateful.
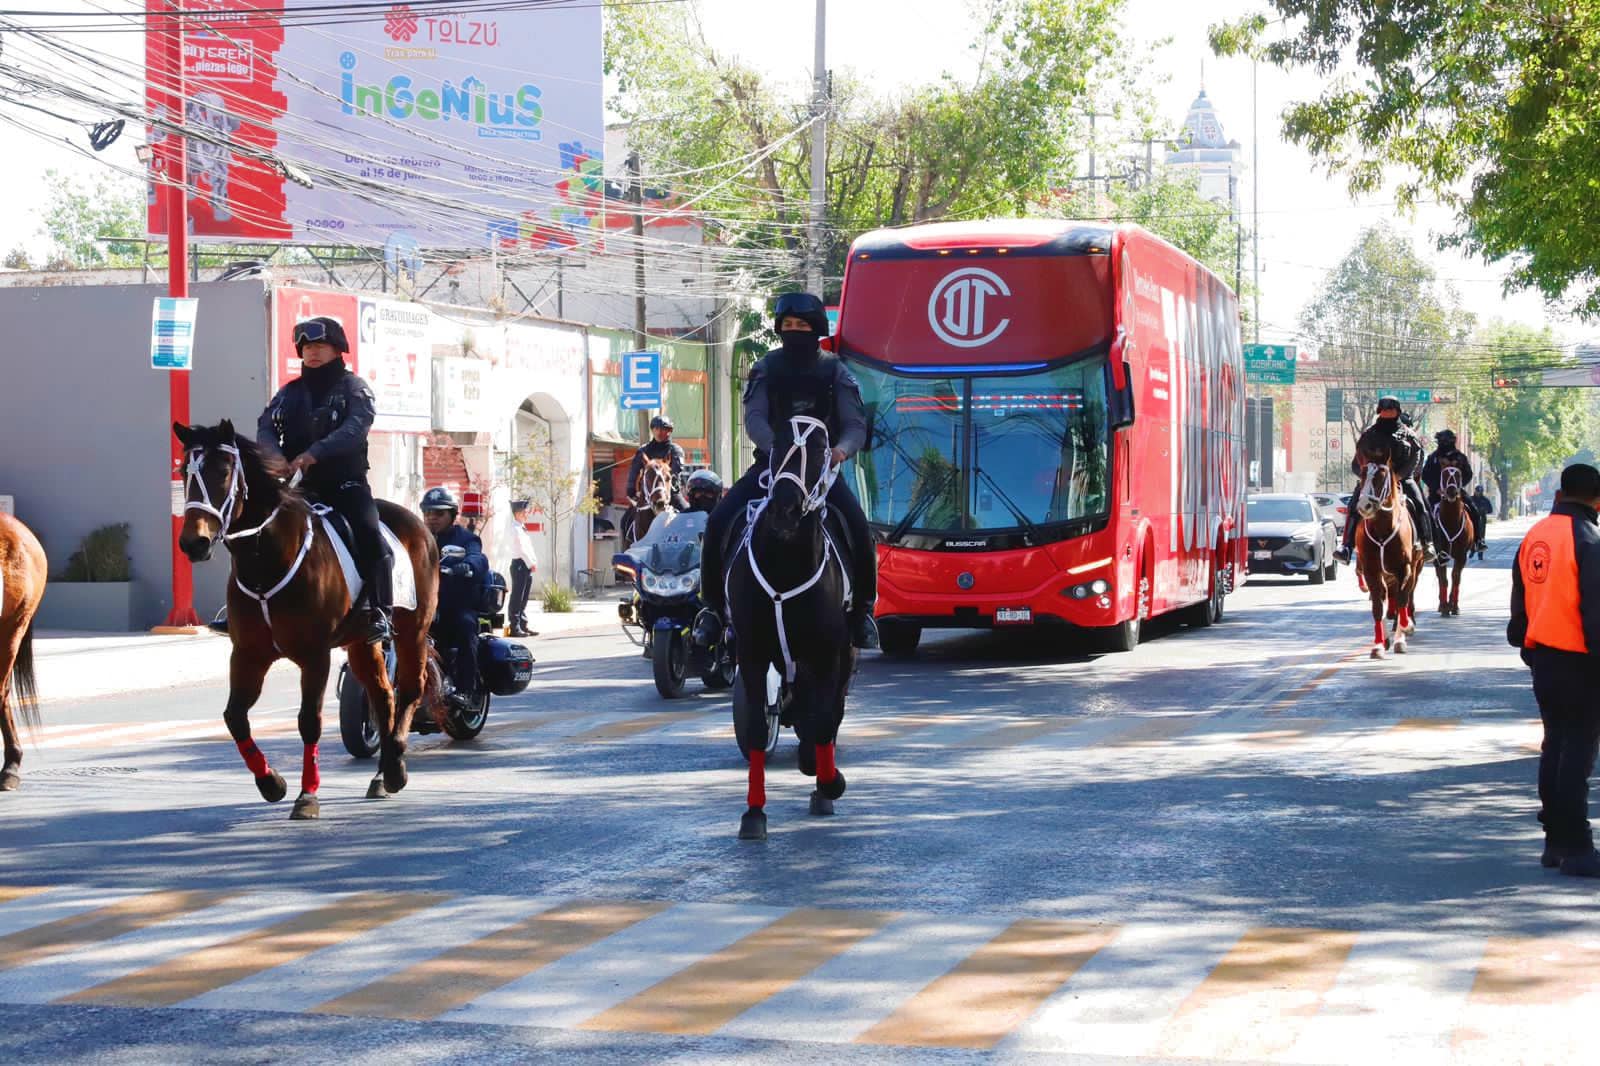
(864, 631)
(707, 628)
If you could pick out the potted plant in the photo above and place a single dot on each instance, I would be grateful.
(95, 589)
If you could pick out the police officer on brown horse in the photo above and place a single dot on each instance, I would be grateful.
(1391, 432)
(319, 424)
(798, 378)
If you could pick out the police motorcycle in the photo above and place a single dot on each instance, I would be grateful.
(504, 669)
(658, 614)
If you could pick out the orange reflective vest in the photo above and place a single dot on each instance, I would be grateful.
(1548, 562)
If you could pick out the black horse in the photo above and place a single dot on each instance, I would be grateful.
(787, 590)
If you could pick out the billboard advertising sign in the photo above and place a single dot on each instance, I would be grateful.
(493, 116)
(395, 354)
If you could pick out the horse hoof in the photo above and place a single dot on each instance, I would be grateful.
(1379, 653)
(272, 787)
(753, 826)
(376, 791)
(10, 780)
(306, 808)
(821, 806)
(1399, 647)
(833, 789)
(395, 776)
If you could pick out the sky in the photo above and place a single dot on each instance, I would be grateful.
(1306, 219)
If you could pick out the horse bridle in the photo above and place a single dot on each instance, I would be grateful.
(1452, 476)
(653, 477)
(812, 498)
(1369, 489)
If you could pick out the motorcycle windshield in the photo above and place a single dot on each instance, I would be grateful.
(673, 557)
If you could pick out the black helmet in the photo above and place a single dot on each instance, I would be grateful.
(1389, 403)
(320, 329)
(704, 481)
(661, 422)
(1446, 437)
(440, 499)
(802, 305)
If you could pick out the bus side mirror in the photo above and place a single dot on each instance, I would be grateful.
(1121, 399)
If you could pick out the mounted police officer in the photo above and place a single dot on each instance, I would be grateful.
(797, 379)
(660, 446)
(1392, 431)
(461, 582)
(319, 424)
(1445, 456)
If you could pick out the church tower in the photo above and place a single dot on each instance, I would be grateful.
(1202, 148)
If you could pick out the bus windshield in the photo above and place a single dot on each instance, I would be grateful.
(984, 452)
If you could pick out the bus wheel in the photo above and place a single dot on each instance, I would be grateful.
(899, 640)
(1209, 611)
(1125, 636)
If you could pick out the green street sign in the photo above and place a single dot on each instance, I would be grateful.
(1413, 395)
(1269, 364)
(1335, 406)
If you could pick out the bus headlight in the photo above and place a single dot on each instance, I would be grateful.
(1097, 587)
(1100, 586)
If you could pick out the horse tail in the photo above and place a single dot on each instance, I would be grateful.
(433, 689)
(24, 684)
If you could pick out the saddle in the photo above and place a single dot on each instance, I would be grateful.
(337, 529)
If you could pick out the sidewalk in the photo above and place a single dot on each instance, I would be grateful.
(75, 665)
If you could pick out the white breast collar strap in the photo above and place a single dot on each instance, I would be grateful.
(262, 598)
(1462, 528)
(780, 599)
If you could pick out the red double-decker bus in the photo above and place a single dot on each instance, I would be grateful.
(1057, 417)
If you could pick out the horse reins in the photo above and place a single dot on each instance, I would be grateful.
(812, 498)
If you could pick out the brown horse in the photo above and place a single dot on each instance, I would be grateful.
(1452, 517)
(288, 600)
(22, 578)
(1389, 558)
(655, 480)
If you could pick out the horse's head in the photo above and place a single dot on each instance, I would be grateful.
(657, 484)
(1450, 484)
(800, 475)
(1377, 488)
(217, 469)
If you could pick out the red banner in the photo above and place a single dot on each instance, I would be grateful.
(296, 305)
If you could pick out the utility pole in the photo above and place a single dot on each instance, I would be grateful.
(1255, 194)
(819, 156)
(176, 192)
(641, 337)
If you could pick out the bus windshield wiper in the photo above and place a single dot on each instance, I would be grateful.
(917, 508)
(1016, 512)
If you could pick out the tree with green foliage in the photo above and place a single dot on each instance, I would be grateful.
(1525, 433)
(1488, 107)
(81, 211)
(1172, 208)
(1382, 321)
(738, 148)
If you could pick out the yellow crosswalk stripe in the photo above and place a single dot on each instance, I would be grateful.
(462, 974)
(102, 923)
(628, 727)
(222, 964)
(1255, 1002)
(1526, 998)
(982, 1000)
(714, 991)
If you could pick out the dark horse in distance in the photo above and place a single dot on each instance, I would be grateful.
(289, 600)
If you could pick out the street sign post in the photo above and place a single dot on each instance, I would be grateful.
(1269, 364)
(1333, 409)
(641, 381)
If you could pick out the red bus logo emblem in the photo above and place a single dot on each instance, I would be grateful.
(960, 308)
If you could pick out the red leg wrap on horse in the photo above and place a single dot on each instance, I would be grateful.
(758, 779)
(310, 776)
(825, 768)
(253, 758)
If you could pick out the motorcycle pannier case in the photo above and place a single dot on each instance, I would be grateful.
(492, 597)
(507, 667)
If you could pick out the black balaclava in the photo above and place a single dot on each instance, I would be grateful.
(801, 345)
(320, 379)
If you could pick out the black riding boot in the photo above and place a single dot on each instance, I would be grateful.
(380, 601)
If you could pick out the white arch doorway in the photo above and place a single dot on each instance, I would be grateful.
(537, 459)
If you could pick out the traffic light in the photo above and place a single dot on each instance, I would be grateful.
(1506, 383)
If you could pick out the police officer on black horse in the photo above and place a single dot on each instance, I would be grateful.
(461, 583)
(797, 379)
(319, 423)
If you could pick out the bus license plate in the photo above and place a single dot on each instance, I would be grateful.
(1263, 555)
(1010, 616)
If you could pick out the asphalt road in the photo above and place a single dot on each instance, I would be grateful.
(1247, 843)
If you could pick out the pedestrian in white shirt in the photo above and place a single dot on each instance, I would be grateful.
(524, 563)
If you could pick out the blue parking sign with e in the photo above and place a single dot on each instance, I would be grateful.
(641, 381)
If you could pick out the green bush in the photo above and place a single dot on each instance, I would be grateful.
(103, 556)
(557, 599)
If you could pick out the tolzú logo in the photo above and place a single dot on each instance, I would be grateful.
(400, 23)
(960, 308)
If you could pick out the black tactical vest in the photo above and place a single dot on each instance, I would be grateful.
(802, 390)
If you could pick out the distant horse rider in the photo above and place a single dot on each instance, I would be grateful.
(319, 424)
(1390, 432)
(797, 379)
(659, 446)
(1445, 456)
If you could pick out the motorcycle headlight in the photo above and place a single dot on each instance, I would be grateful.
(652, 583)
(691, 581)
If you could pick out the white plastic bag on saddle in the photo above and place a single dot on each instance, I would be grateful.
(404, 579)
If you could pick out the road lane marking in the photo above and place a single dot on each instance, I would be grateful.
(102, 923)
(711, 993)
(627, 727)
(593, 980)
(855, 990)
(994, 989)
(222, 964)
(1414, 725)
(1527, 1001)
(1012, 734)
(1141, 731)
(460, 975)
(1254, 1004)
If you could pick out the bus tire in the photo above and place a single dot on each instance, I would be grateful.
(899, 640)
(1209, 611)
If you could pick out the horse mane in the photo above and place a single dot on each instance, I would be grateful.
(264, 472)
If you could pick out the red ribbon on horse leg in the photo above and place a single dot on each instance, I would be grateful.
(758, 779)
(253, 758)
(826, 770)
(310, 776)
